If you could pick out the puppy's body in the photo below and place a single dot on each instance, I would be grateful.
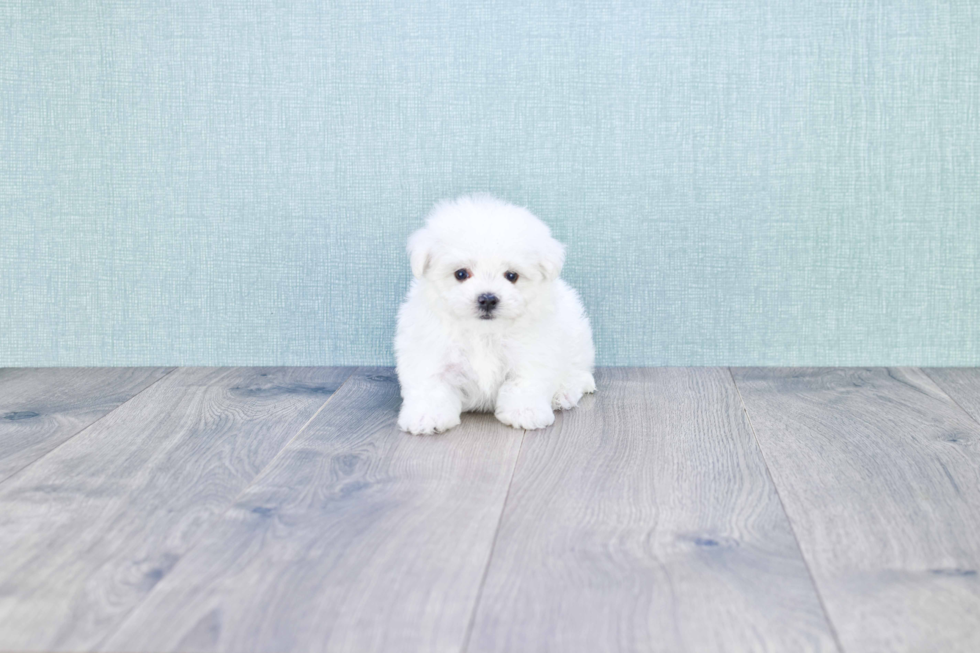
(520, 348)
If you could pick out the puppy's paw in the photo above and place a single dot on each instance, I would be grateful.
(426, 420)
(526, 417)
(583, 382)
(571, 391)
(588, 384)
(565, 399)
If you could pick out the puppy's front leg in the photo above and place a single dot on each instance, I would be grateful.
(432, 407)
(525, 403)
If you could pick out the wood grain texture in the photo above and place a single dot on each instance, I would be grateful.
(88, 531)
(41, 408)
(645, 520)
(357, 538)
(962, 384)
(879, 472)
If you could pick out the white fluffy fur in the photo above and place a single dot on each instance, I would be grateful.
(534, 356)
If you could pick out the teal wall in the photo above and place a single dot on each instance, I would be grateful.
(232, 182)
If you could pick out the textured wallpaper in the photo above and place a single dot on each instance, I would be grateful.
(204, 183)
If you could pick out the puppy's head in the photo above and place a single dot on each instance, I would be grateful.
(483, 259)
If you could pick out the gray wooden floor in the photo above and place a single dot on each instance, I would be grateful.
(678, 509)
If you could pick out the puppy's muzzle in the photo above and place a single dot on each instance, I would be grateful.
(487, 303)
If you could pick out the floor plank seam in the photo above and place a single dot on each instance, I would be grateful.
(86, 427)
(230, 505)
(949, 396)
(299, 432)
(493, 546)
(789, 520)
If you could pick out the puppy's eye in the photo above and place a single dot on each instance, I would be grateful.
(511, 276)
(461, 274)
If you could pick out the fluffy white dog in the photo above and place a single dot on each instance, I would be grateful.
(487, 324)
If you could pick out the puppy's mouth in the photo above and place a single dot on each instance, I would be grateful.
(486, 316)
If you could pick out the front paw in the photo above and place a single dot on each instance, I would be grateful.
(526, 417)
(420, 419)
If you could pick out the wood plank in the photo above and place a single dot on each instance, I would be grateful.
(880, 474)
(645, 520)
(41, 408)
(962, 384)
(358, 538)
(87, 531)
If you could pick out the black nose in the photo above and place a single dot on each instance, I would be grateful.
(487, 302)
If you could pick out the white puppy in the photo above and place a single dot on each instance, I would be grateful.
(487, 324)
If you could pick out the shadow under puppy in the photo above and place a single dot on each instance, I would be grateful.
(487, 324)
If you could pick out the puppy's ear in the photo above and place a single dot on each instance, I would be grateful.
(419, 252)
(552, 258)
